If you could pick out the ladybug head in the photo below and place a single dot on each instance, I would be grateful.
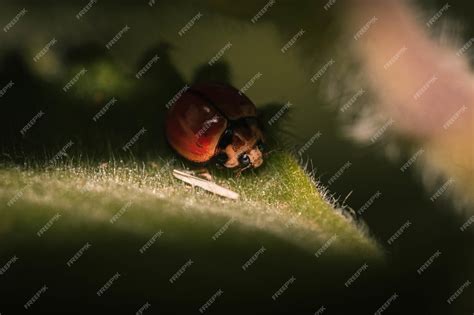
(252, 157)
(244, 150)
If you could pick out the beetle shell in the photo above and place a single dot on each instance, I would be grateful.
(229, 101)
(197, 121)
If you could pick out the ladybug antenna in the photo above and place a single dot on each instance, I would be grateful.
(240, 170)
(265, 154)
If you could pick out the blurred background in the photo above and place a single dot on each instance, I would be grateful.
(149, 29)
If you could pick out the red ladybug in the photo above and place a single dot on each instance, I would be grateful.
(213, 121)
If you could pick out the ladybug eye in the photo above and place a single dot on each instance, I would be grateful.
(244, 159)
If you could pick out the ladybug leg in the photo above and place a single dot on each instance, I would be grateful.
(203, 173)
(220, 158)
(240, 170)
(232, 157)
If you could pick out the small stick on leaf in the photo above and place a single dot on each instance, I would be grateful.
(205, 184)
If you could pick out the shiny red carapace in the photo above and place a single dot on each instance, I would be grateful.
(215, 121)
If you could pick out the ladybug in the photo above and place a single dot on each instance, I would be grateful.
(215, 122)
